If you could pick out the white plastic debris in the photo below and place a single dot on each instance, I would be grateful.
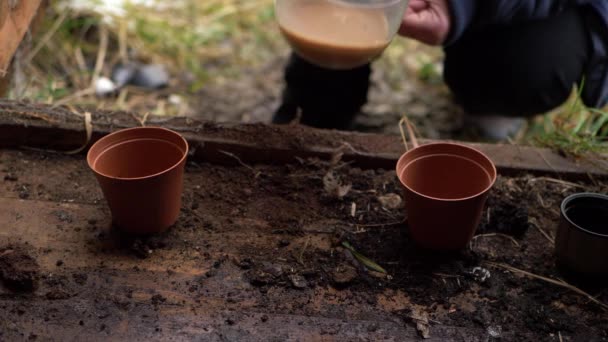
(494, 331)
(391, 201)
(175, 100)
(480, 274)
(104, 86)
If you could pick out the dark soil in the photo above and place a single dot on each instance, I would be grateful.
(269, 242)
(18, 269)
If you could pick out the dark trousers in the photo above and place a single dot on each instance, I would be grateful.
(516, 70)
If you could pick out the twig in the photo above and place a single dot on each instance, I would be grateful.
(545, 234)
(442, 275)
(510, 238)
(47, 36)
(88, 126)
(378, 224)
(540, 200)
(301, 256)
(69, 98)
(142, 120)
(560, 283)
(7, 252)
(79, 57)
(351, 148)
(559, 181)
(101, 55)
(235, 157)
(546, 161)
(35, 115)
(559, 333)
(122, 41)
(418, 319)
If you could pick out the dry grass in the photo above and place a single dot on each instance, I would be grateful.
(201, 44)
(557, 282)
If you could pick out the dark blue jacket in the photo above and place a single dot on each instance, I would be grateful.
(469, 15)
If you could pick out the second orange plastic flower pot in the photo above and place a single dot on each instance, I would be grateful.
(446, 187)
(140, 171)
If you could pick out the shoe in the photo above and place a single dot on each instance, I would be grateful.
(315, 115)
(496, 127)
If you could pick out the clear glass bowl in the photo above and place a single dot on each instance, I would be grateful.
(339, 34)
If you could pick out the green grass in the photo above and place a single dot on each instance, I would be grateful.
(573, 128)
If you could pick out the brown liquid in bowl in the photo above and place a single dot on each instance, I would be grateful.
(332, 35)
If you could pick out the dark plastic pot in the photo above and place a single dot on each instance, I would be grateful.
(581, 245)
(140, 171)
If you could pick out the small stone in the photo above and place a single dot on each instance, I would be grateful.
(245, 264)
(480, 274)
(260, 278)
(344, 275)
(59, 263)
(494, 331)
(158, 299)
(57, 294)
(9, 177)
(391, 201)
(274, 270)
(298, 281)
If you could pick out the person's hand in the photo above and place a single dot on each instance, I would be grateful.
(427, 21)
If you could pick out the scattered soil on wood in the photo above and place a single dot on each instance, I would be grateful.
(18, 269)
(269, 240)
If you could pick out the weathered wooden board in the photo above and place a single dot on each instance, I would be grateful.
(93, 287)
(42, 126)
(201, 280)
(15, 19)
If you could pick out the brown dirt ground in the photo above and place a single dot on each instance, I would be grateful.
(269, 241)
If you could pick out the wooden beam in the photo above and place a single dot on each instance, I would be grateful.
(14, 23)
(192, 287)
(42, 126)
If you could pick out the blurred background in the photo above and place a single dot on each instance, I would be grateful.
(223, 60)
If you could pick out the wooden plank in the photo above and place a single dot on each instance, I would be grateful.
(167, 295)
(14, 23)
(193, 286)
(23, 124)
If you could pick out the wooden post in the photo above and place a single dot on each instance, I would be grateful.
(15, 19)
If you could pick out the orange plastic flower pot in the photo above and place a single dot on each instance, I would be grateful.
(140, 171)
(446, 187)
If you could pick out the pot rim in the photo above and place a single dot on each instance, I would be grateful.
(492, 181)
(571, 223)
(148, 128)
